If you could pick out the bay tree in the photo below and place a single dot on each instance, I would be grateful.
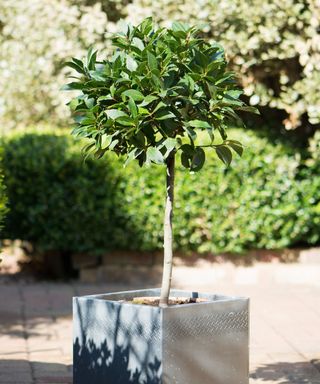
(165, 92)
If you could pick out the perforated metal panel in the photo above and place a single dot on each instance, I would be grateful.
(119, 343)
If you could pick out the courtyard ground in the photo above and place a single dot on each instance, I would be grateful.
(36, 325)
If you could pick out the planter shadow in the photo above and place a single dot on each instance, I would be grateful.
(122, 343)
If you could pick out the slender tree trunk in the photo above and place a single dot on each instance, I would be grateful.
(167, 243)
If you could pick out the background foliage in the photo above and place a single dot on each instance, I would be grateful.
(269, 199)
(3, 197)
(274, 45)
(57, 201)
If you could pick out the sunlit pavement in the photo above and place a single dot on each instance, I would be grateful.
(36, 327)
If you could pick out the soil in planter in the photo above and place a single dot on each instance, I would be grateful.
(154, 300)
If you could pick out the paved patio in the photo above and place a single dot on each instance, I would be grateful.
(36, 328)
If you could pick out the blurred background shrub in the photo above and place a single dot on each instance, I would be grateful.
(3, 197)
(57, 201)
(270, 198)
(273, 45)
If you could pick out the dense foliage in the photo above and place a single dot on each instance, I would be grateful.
(35, 38)
(273, 44)
(159, 89)
(57, 201)
(269, 200)
(3, 197)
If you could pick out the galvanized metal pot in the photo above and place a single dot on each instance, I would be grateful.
(123, 343)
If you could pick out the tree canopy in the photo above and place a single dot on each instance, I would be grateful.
(163, 90)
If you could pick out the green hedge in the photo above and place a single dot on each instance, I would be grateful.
(263, 201)
(3, 197)
(270, 198)
(57, 201)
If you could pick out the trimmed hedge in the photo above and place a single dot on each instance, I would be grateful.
(3, 197)
(57, 201)
(270, 198)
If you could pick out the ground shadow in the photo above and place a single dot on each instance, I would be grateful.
(24, 371)
(305, 372)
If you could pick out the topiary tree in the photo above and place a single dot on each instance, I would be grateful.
(163, 92)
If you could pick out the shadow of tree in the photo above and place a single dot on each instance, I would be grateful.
(304, 372)
(114, 345)
(102, 365)
(24, 371)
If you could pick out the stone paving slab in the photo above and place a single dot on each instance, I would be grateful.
(36, 328)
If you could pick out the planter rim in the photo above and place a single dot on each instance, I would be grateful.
(212, 298)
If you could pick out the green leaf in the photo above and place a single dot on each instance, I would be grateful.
(227, 76)
(104, 98)
(187, 148)
(91, 58)
(132, 155)
(178, 26)
(224, 154)
(198, 159)
(210, 133)
(185, 160)
(154, 155)
(234, 93)
(236, 146)
(132, 65)
(169, 143)
(152, 61)
(126, 120)
(191, 133)
(164, 115)
(132, 107)
(72, 86)
(114, 113)
(112, 90)
(138, 139)
(146, 26)
(75, 66)
(97, 75)
(148, 99)
(199, 124)
(73, 104)
(113, 144)
(187, 152)
(105, 141)
(136, 42)
(160, 105)
(134, 94)
(247, 108)
(156, 81)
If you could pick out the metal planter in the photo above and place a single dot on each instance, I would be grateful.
(121, 343)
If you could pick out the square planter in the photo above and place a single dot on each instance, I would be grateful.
(199, 343)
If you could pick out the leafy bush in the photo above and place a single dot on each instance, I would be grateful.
(261, 202)
(3, 197)
(55, 30)
(270, 199)
(57, 201)
(274, 44)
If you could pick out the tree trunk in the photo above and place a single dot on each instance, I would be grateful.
(167, 243)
